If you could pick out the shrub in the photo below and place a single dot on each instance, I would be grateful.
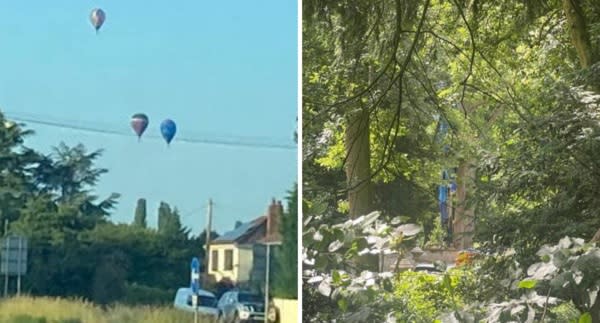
(424, 296)
(139, 294)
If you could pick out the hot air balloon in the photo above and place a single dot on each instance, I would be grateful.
(139, 123)
(168, 130)
(97, 18)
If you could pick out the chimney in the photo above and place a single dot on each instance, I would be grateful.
(273, 221)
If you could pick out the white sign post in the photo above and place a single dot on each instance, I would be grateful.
(195, 282)
(195, 305)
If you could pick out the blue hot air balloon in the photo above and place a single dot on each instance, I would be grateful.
(168, 130)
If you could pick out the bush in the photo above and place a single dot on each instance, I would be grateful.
(424, 297)
(139, 294)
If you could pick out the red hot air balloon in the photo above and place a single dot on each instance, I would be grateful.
(139, 123)
(97, 18)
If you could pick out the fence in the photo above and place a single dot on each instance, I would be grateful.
(288, 309)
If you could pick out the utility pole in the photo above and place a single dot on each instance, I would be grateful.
(19, 267)
(267, 272)
(208, 231)
(6, 258)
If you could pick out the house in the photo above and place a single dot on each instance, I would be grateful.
(239, 254)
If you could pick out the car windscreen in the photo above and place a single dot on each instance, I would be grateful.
(206, 301)
(250, 298)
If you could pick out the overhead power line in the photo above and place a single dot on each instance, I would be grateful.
(237, 142)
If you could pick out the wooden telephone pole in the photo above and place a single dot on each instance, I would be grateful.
(207, 248)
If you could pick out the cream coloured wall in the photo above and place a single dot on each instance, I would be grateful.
(288, 310)
(242, 262)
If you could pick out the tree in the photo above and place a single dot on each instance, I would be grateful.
(169, 222)
(109, 278)
(579, 15)
(69, 172)
(357, 88)
(140, 213)
(237, 224)
(18, 165)
(285, 282)
(164, 217)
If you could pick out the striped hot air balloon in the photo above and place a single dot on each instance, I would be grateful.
(97, 18)
(139, 123)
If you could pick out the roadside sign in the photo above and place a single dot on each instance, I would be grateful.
(13, 256)
(195, 275)
(195, 282)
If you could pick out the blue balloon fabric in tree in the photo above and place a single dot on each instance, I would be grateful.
(168, 130)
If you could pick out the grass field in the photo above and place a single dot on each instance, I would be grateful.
(58, 310)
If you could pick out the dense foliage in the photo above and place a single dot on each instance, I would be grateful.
(285, 282)
(514, 87)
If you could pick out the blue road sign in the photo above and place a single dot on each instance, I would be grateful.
(195, 281)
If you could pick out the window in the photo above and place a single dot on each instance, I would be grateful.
(215, 260)
(228, 260)
(224, 299)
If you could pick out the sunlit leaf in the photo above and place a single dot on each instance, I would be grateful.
(527, 283)
(315, 279)
(325, 288)
(585, 318)
(408, 229)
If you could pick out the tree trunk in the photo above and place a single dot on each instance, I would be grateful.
(358, 164)
(579, 32)
(358, 175)
(464, 217)
(581, 41)
(595, 311)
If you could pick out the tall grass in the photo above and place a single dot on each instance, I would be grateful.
(60, 310)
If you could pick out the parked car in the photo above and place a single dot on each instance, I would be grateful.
(240, 306)
(207, 302)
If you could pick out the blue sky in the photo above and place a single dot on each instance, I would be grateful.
(219, 69)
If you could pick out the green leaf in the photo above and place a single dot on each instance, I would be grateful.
(336, 277)
(343, 304)
(585, 318)
(408, 230)
(527, 283)
(335, 246)
(447, 281)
